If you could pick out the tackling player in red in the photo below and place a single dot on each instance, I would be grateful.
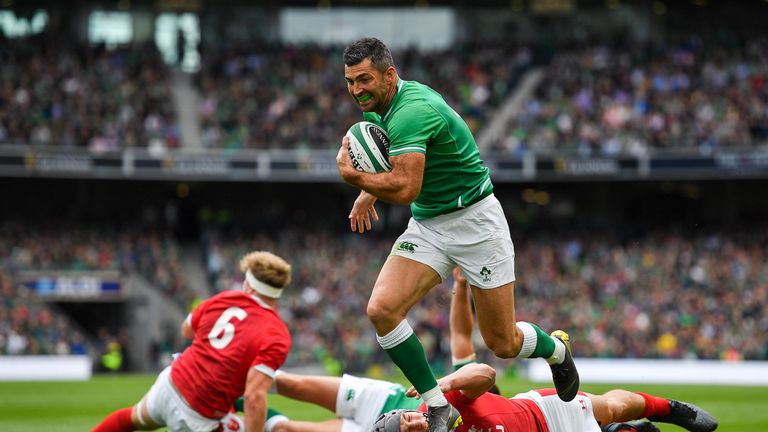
(543, 411)
(238, 342)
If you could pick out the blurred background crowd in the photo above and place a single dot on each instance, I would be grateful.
(58, 93)
(667, 294)
(609, 100)
(668, 266)
(695, 94)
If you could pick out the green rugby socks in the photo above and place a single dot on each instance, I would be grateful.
(273, 417)
(538, 344)
(405, 349)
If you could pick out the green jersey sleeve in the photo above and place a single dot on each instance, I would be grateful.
(412, 128)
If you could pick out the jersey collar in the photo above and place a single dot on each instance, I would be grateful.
(394, 98)
(260, 301)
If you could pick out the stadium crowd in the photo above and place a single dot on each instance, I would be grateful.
(597, 100)
(666, 295)
(53, 92)
(662, 295)
(695, 95)
(152, 253)
(58, 94)
(285, 97)
(29, 327)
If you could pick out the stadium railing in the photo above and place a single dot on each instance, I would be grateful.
(320, 165)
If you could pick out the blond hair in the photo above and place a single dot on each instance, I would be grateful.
(267, 267)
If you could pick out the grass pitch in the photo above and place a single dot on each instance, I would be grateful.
(78, 406)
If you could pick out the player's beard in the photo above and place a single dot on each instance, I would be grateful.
(387, 94)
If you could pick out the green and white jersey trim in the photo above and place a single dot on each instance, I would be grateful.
(407, 150)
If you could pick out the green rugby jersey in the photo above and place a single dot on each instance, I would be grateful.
(398, 400)
(419, 120)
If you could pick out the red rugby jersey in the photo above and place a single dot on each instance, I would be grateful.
(494, 413)
(233, 332)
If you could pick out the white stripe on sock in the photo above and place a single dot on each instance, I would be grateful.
(434, 397)
(397, 336)
(559, 354)
(529, 339)
(272, 421)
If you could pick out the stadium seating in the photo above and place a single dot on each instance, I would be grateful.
(55, 93)
(286, 97)
(153, 254)
(664, 295)
(695, 96)
(29, 327)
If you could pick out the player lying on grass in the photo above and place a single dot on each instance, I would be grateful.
(543, 411)
(358, 402)
(238, 343)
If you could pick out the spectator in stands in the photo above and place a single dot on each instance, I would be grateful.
(622, 295)
(29, 327)
(269, 96)
(691, 96)
(55, 93)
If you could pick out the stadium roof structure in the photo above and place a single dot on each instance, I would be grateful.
(28, 5)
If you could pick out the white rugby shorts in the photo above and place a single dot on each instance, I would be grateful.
(573, 416)
(359, 402)
(166, 406)
(476, 239)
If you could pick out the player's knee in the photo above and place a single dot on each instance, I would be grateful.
(504, 346)
(380, 315)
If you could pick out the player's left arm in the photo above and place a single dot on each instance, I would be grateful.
(255, 406)
(186, 329)
(193, 319)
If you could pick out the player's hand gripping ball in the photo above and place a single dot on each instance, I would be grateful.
(369, 147)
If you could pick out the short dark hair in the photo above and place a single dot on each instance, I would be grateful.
(371, 48)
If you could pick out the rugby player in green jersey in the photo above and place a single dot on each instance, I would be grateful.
(456, 220)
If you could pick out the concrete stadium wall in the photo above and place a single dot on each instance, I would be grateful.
(45, 368)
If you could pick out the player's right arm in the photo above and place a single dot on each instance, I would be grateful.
(255, 406)
(473, 380)
(400, 186)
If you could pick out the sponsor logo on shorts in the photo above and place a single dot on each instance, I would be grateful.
(486, 274)
(350, 394)
(233, 425)
(406, 246)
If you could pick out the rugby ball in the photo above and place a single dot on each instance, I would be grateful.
(369, 147)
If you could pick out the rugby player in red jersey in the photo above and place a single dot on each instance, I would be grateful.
(238, 342)
(543, 411)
